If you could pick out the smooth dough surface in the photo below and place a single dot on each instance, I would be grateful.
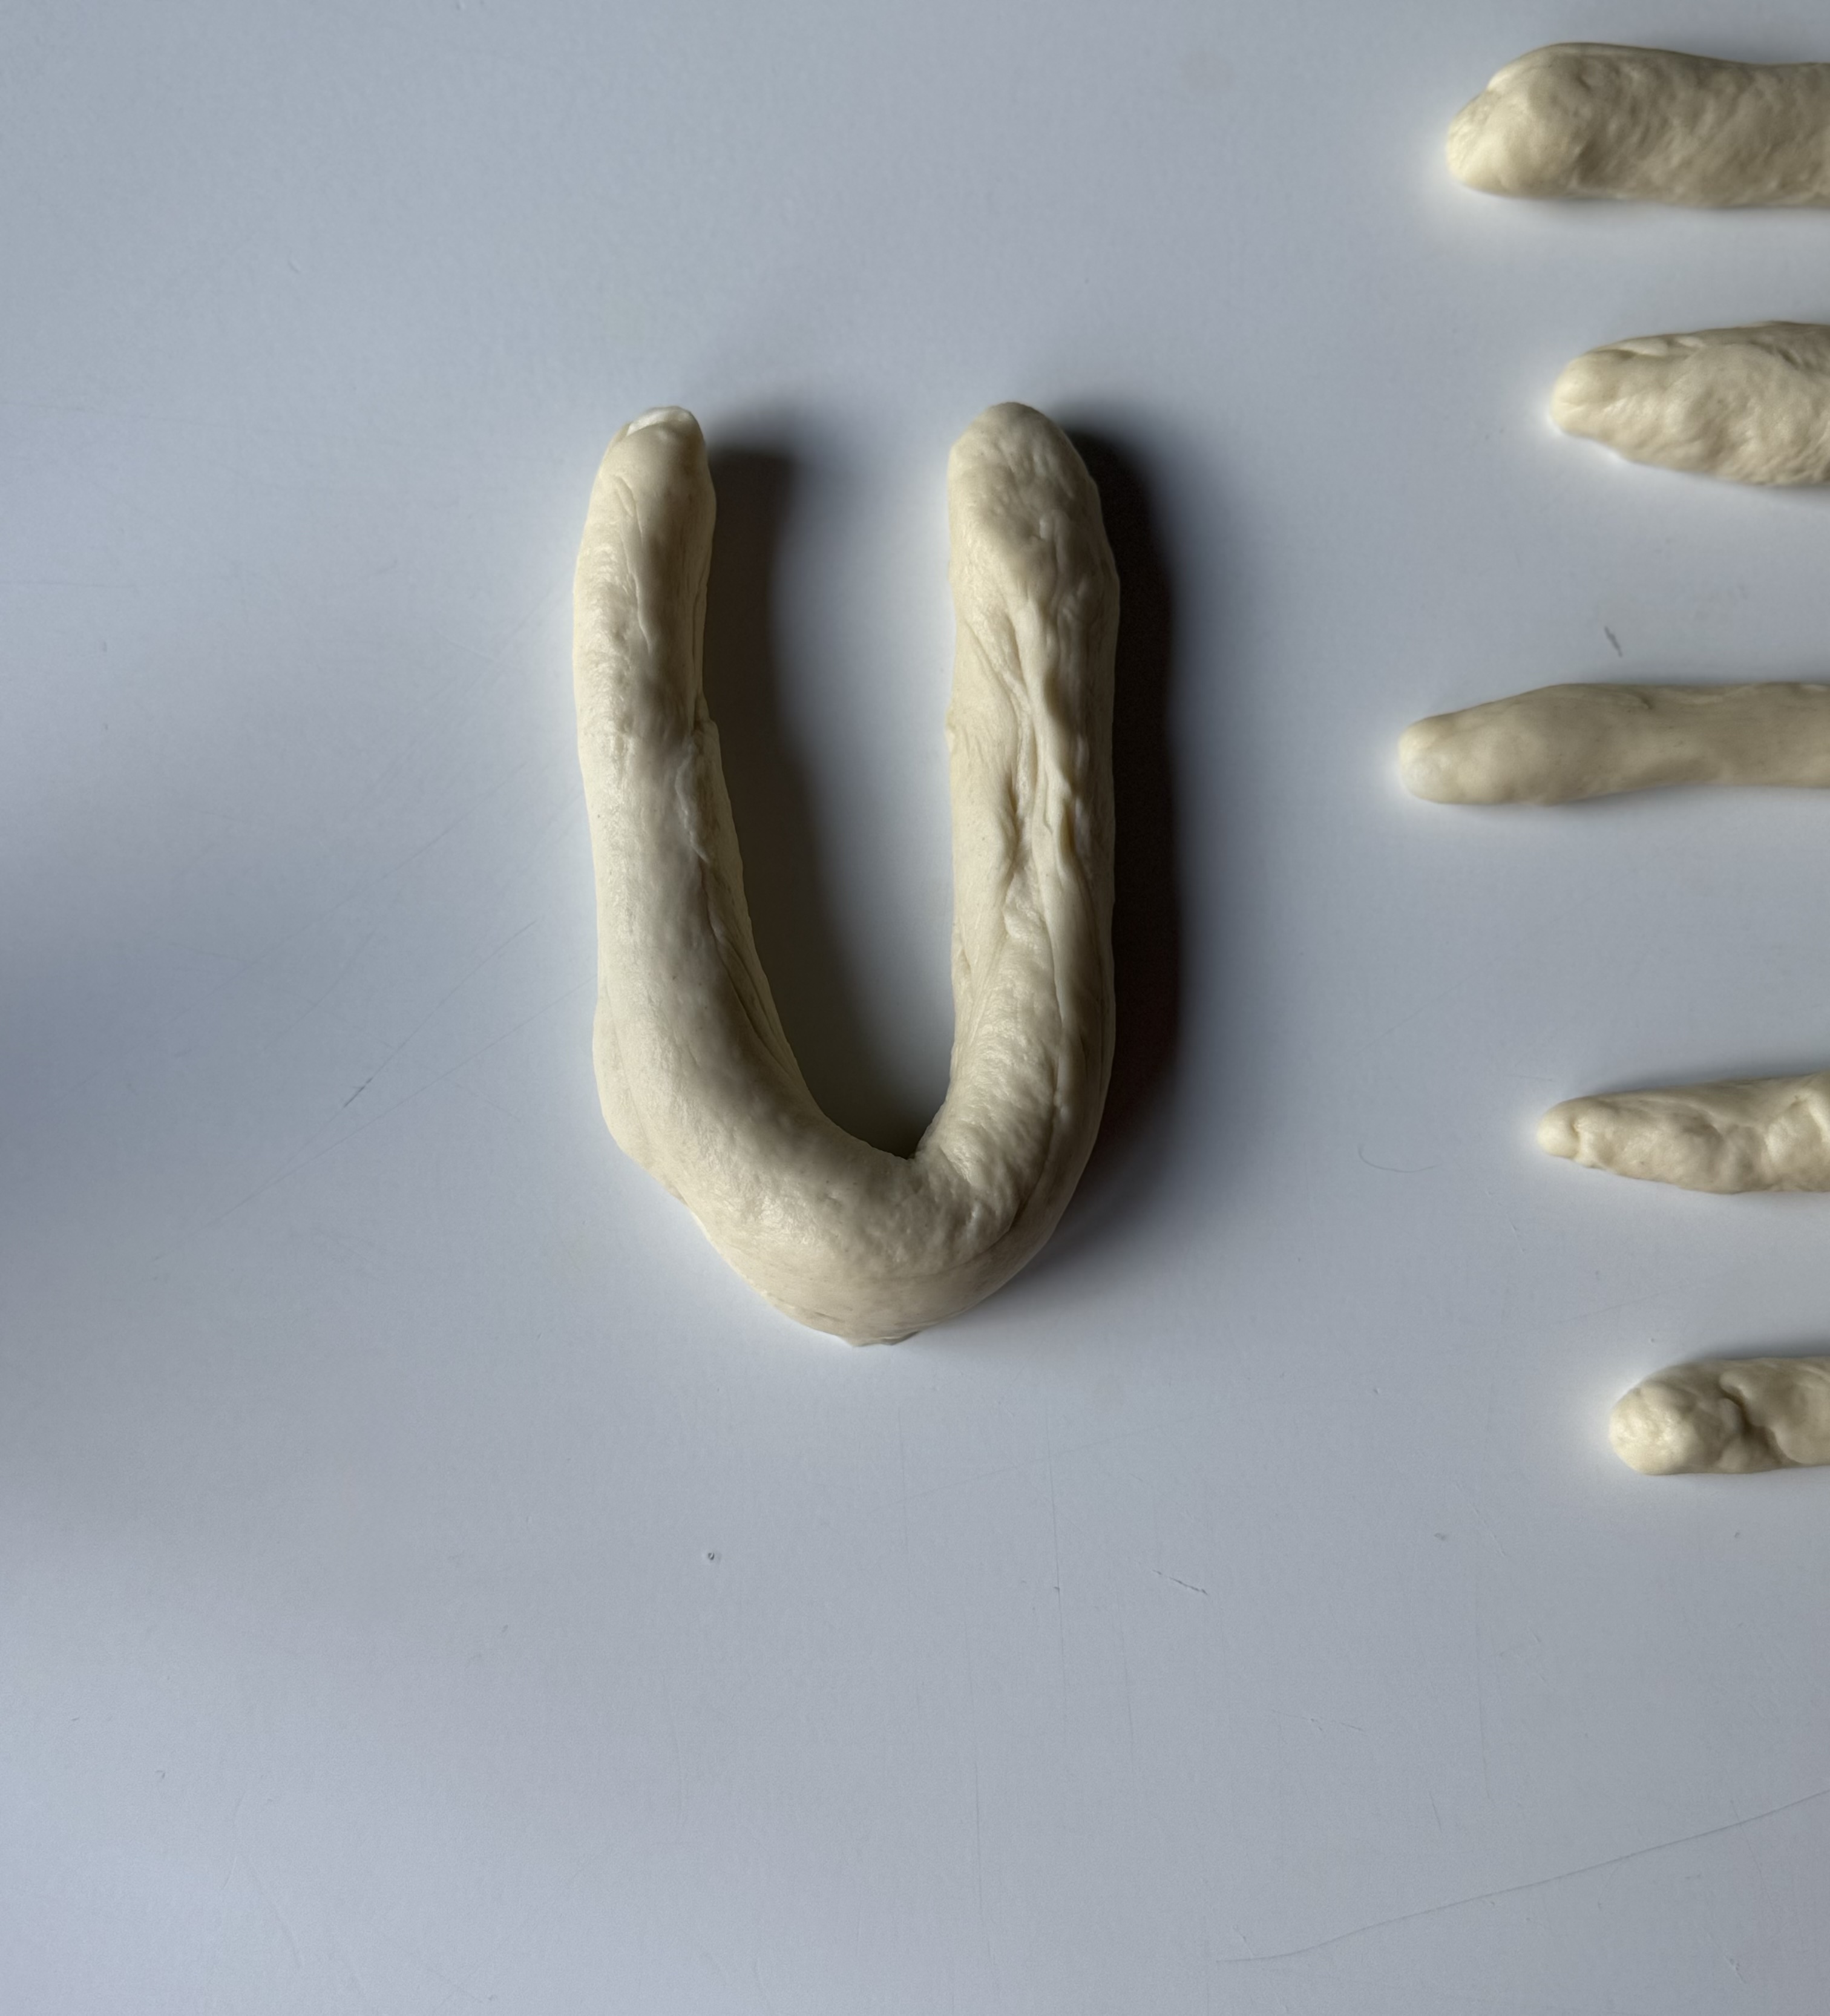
(1595, 119)
(1751, 406)
(1727, 1416)
(696, 1078)
(1731, 1135)
(1559, 743)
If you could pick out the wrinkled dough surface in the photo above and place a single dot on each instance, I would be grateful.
(1726, 1416)
(1559, 743)
(1595, 119)
(1732, 1135)
(1750, 405)
(696, 1075)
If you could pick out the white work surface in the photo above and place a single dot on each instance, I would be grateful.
(432, 1581)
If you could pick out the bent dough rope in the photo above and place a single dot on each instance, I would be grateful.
(1751, 406)
(1568, 742)
(1593, 119)
(1726, 1416)
(696, 1077)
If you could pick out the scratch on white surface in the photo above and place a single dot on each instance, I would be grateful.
(305, 1160)
(267, 1896)
(1535, 1883)
(1054, 1536)
(1124, 1656)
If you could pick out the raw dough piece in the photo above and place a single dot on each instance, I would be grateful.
(1727, 1415)
(696, 1078)
(1593, 119)
(1750, 405)
(1735, 1135)
(1559, 743)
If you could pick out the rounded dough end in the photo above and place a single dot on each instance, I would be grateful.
(1586, 388)
(1557, 1133)
(1525, 134)
(1663, 1428)
(1429, 762)
(1503, 752)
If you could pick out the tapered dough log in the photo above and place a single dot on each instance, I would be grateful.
(696, 1078)
(1732, 1135)
(1595, 119)
(1727, 1416)
(1751, 406)
(1559, 743)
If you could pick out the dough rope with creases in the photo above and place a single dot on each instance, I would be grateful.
(1555, 743)
(1595, 119)
(697, 1080)
(1726, 1416)
(1750, 405)
(1730, 1136)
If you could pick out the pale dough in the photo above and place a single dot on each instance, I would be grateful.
(1593, 119)
(696, 1078)
(1734, 1135)
(1749, 405)
(1559, 743)
(1728, 1416)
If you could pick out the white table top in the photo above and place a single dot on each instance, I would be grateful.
(432, 1582)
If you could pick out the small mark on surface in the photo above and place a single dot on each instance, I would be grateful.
(1613, 640)
(711, 1555)
(1392, 1170)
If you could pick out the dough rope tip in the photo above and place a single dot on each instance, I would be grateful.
(1726, 1416)
(1601, 120)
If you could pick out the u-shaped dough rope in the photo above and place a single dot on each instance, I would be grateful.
(1595, 119)
(697, 1080)
(1726, 1416)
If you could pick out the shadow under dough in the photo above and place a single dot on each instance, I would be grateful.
(1147, 907)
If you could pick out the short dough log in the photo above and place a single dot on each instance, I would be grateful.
(1726, 1416)
(1559, 743)
(1732, 1135)
(1751, 406)
(696, 1078)
(1593, 119)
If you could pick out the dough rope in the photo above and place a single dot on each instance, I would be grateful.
(696, 1078)
(1751, 406)
(1593, 119)
(1559, 743)
(1726, 1416)
(1733, 1136)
